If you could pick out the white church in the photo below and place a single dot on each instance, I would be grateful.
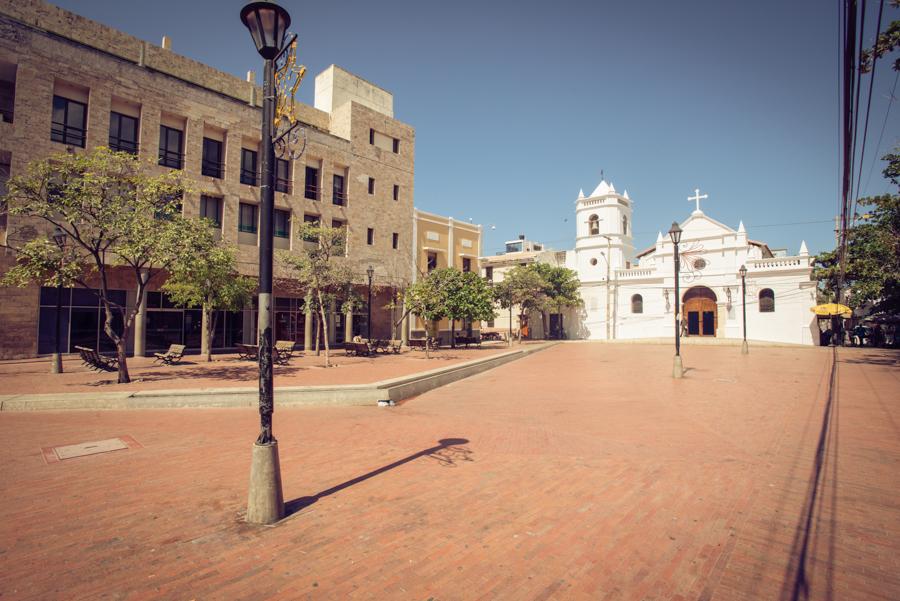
(629, 295)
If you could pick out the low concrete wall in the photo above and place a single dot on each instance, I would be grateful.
(395, 390)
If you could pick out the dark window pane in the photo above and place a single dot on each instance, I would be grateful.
(311, 190)
(68, 124)
(339, 194)
(170, 147)
(282, 225)
(164, 328)
(283, 176)
(193, 328)
(247, 221)
(211, 208)
(248, 167)
(123, 133)
(117, 296)
(47, 329)
(211, 164)
(84, 297)
(85, 326)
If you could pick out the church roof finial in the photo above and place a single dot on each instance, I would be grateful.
(803, 250)
(580, 193)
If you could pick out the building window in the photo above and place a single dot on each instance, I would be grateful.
(371, 185)
(371, 136)
(489, 273)
(396, 146)
(431, 261)
(69, 121)
(248, 167)
(211, 208)
(466, 265)
(593, 225)
(370, 236)
(123, 133)
(766, 301)
(212, 164)
(396, 192)
(170, 145)
(282, 176)
(395, 240)
(311, 190)
(637, 304)
(312, 221)
(337, 224)
(282, 224)
(624, 225)
(7, 91)
(247, 218)
(338, 192)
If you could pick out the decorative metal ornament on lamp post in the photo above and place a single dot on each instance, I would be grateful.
(677, 367)
(268, 25)
(59, 238)
(371, 273)
(743, 271)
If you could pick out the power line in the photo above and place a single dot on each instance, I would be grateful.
(862, 151)
(883, 127)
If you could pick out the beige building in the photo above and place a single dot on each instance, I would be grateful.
(443, 242)
(517, 252)
(68, 84)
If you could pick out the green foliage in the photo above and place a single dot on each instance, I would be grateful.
(115, 212)
(872, 273)
(210, 280)
(886, 42)
(561, 289)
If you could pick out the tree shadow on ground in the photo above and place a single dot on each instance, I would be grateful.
(235, 373)
(867, 359)
(448, 453)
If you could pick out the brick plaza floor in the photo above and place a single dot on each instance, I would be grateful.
(579, 472)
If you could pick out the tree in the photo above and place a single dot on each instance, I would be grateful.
(886, 42)
(116, 214)
(320, 271)
(427, 299)
(523, 286)
(560, 292)
(872, 270)
(466, 297)
(210, 280)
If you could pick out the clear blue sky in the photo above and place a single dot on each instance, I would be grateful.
(517, 105)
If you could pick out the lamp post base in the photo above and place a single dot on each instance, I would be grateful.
(265, 503)
(56, 363)
(745, 350)
(677, 368)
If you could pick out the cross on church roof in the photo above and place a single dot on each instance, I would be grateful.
(697, 198)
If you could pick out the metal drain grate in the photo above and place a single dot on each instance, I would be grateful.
(83, 449)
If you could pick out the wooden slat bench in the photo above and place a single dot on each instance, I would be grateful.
(94, 360)
(171, 356)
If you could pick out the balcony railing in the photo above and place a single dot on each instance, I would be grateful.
(339, 197)
(170, 158)
(311, 191)
(282, 185)
(212, 168)
(123, 145)
(249, 177)
(67, 134)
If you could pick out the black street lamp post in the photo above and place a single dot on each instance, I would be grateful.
(268, 25)
(677, 367)
(743, 271)
(370, 272)
(59, 237)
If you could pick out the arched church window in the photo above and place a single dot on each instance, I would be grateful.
(637, 304)
(593, 225)
(624, 225)
(766, 301)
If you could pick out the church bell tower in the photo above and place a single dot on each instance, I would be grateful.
(603, 232)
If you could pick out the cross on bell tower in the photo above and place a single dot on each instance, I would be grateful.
(697, 198)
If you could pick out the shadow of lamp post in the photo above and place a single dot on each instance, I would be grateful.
(677, 367)
(371, 273)
(59, 238)
(268, 25)
(743, 271)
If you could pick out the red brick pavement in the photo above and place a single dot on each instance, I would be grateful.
(588, 473)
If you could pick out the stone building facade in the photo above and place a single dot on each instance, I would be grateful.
(68, 83)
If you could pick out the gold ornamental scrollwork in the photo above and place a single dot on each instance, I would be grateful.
(289, 138)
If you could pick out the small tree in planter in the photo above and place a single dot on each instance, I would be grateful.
(467, 296)
(212, 282)
(116, 214)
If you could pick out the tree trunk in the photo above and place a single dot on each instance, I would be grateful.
(209, 328)
(120, 342)
(453, 333)
(325, 330)
(545, 324)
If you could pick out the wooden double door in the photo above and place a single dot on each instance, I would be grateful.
(701, 312)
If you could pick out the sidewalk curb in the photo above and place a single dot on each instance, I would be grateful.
(392, 390)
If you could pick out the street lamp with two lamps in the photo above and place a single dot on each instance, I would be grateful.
(743, 272)
(371, 273)
(59, 238)
(677, 367)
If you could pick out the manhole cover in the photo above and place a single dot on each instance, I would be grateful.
(61, 453)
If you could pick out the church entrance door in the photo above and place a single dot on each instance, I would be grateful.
(701, 311)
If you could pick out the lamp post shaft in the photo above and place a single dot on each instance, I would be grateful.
(56, 362)
(266, 223)
(369, 317)
(744, 348)
(677, 305)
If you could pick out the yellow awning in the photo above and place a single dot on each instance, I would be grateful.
(829, 309)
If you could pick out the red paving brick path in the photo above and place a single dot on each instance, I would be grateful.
(588, 473)
(31, 376)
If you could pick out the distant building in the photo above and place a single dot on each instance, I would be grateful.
(444, 242)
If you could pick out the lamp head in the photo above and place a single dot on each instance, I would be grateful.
(268, 24)
(59, 237)
(675, 233)
(743, 271)
(370, 272)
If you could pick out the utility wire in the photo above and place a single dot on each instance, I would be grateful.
(862, 150)
(883, 127)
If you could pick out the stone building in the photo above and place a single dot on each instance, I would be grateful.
(444, 242)
(68, 83)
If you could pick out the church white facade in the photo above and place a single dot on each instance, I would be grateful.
(630, 295)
